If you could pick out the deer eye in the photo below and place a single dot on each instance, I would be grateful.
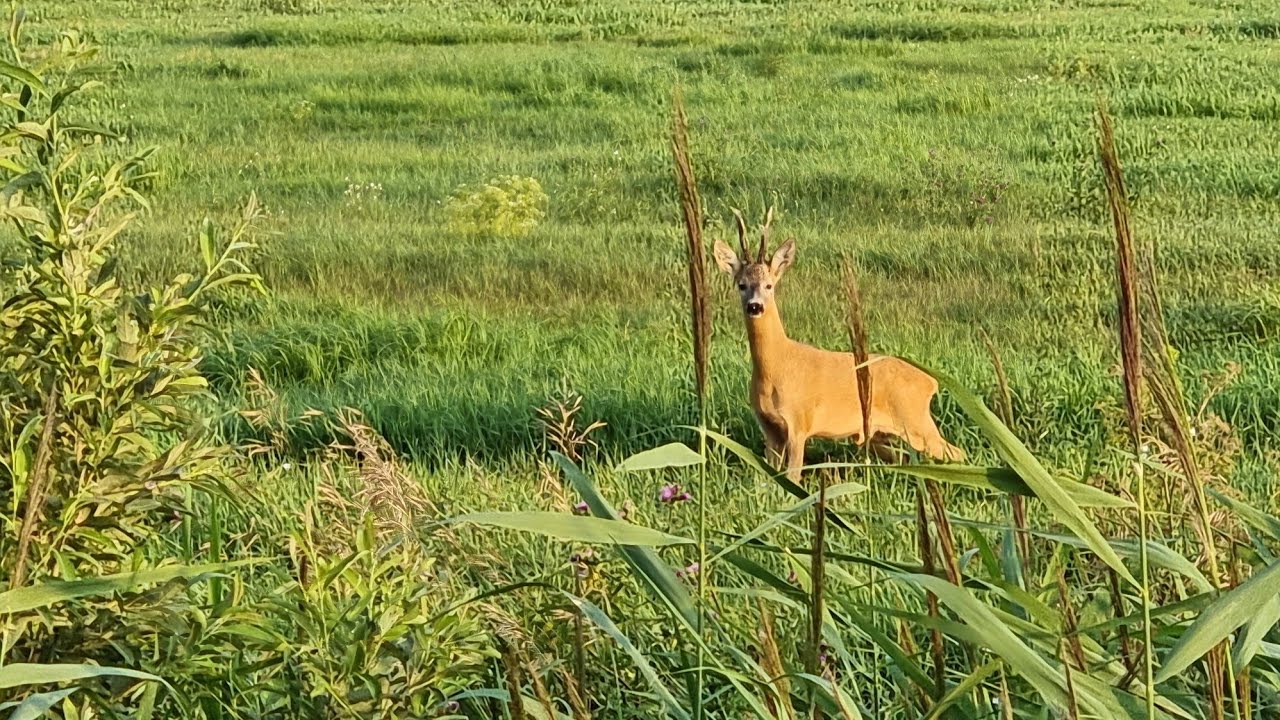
(768, 287)
(742, 286)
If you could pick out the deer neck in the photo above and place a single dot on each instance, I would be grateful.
(768, 340)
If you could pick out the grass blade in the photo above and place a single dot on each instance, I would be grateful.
(35, 706)
(756, 463)
(963, 688)
(1264, 523)
(1006, 480)
(667, 456)
(56, 591)
(1255, 630)
(571, 527)
(18, 674)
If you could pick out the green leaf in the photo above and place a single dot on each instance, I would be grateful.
(18, 674)
(208, 244)
(597, 616)
(56, 591)
(1006, 480)
(1262, 522)
(670, 455)
(1254, 632)
(571, 527)
(22, 75)
(903, 661)
(1047, 489)
(36, 705)
(1231, 610)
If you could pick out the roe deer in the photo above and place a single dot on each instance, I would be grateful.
(800, 392)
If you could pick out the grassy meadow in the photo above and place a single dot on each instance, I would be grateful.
(947, 150)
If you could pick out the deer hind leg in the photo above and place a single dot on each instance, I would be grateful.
(927, 440)
(881, 445)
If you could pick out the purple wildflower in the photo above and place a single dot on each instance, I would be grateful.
(673, 493)
(688, 572)
(580, 509)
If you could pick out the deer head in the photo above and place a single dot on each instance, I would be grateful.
(755, 279)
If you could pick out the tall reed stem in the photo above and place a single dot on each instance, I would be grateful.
(700, 328)
(1131, 359)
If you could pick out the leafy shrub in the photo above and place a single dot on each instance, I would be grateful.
(100, 388)
(506, 206)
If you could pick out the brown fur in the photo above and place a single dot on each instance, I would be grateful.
(800, 392)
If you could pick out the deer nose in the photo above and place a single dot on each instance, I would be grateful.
(755, 309)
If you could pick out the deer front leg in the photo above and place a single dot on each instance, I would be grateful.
(775, 441)
(795, 456)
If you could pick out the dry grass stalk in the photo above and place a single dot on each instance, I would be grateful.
(514, 679)
(1145, 353)
(1131, 359)
(512, 644)
(845, 711)
(1126, 278)
(1216, 671)
(1017, 503)
(908, 643)
(1127, 656)
(558, 418)
(858, 341)
(937, 649)
(385, 490)
(36, 489)
(771, 663)
(946, 540)
(1006, 702)
(1070, 625)
(265, 412)
(573, 694)
(691, 210)
(1069, 649)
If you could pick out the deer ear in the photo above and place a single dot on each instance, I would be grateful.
(783, 258)
(726, 258)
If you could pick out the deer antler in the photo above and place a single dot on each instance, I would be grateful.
(742, 234)
(764, 235)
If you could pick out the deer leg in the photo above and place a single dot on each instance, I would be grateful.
(775, 442)
(795, 456)
(926, 439)
(880, 445)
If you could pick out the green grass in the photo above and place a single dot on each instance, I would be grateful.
(884, 134)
